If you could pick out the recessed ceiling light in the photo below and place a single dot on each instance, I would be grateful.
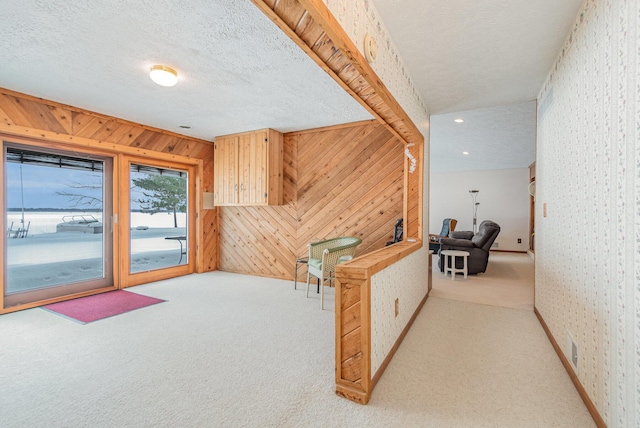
(465, 153)
(163, 75)
(458, 120)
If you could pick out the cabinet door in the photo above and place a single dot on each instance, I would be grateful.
(253, 163)
(226, 171)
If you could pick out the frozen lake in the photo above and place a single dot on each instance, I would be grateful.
(46, 222)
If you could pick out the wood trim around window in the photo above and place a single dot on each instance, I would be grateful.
(45, 140)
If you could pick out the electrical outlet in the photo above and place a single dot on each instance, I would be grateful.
(519, 240)
(397, 306)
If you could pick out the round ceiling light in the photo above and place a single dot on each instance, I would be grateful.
(458, 120)
(163, 75)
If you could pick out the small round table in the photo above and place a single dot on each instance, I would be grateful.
(450, 262)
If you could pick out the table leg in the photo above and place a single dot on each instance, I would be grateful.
(465, 266)
(453, 268)
(446, 266)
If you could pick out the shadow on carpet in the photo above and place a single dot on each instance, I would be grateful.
(99, 306)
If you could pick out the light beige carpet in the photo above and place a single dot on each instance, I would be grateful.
(508, 282)
(229, 350)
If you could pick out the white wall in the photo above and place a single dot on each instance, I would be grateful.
(503, 198)
(588, 175)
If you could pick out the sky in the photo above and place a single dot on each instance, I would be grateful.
(41, 183)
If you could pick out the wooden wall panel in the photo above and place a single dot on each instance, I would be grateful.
(349, 183)
(338, 181)
(30, 112)
(413, 209)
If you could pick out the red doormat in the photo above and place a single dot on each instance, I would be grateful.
(99, 306)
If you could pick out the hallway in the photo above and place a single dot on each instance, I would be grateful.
(507, 283)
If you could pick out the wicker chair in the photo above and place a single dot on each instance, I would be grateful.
(325, 255)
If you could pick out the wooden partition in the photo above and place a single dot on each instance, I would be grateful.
(345, 180)
(26, 116)
(354, 379)
(310, 24)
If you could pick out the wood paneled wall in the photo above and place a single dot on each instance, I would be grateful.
(413, 223)
(338, 181)
(19, 110)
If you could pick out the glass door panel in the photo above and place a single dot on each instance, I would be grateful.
(158, 217)
(57, 222)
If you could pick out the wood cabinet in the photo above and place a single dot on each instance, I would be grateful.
(248, 168)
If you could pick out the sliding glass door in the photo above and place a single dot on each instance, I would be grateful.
(57, 220)
(84, 221)
(158, 205)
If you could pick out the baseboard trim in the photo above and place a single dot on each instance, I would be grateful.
(396, 345)
(572, 374)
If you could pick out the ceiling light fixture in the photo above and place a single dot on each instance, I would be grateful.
(465, 153)
(458, 120)
(163, 75)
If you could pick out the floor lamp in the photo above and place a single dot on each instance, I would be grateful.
(474, 195)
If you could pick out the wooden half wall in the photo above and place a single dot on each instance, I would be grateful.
(27, 116)
(345, 180)
(310, 24)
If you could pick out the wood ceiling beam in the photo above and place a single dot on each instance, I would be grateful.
(310, 24)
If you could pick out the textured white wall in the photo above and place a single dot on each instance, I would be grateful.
(405, 280)
(588, 175)
(503, 197)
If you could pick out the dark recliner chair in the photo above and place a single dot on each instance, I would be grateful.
(477, 245)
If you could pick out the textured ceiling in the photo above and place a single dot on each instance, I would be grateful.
(465, 54)
(237, 70)
(495, 137)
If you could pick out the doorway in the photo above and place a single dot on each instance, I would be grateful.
(57, 219)
(80, 221)
(158, 217)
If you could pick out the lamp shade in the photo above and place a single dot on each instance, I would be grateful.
(163, 76)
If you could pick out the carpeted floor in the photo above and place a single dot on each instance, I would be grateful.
(230, 350)
(508, 282)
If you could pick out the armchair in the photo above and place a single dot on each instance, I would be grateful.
(477, 245)
(448, 226)
(325, 255)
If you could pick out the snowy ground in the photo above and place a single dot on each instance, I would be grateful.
(48, 259)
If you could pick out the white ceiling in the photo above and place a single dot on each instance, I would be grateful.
(495, 138)
(238, 71)
(464, 55)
